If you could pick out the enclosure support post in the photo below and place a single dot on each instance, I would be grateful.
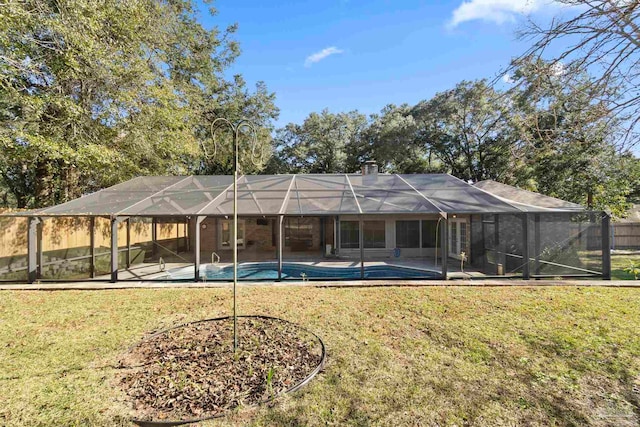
(444, 244)
(501, 258)
(280, 244)
(128, 242)
(337, 242)
(537, 243)
(606, 246)
(177, 237)
(196, 250)
(485, 261)
(114, 249)
(187, 234)
(40, 250)
(361, 235)
(32, 248)
(92, 246)
(613, 239)
(154, 236)
(526, 275)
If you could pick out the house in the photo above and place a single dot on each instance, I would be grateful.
(321, 226)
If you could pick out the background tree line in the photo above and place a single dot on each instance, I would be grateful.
(94, 93)
(542, 134)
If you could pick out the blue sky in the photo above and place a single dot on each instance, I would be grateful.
(351, 54)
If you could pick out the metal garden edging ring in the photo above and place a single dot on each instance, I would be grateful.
(168, 423)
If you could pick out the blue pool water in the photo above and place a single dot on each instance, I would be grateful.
(269, 270)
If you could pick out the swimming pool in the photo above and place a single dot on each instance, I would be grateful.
(296, 271)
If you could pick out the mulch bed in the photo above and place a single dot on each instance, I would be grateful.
(192, 372)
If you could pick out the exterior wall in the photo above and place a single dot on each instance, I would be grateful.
(209, 235)
(390, 238)
(259, 238)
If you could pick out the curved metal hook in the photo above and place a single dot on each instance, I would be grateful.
(215, 125)
(245, 123)
(235, 128)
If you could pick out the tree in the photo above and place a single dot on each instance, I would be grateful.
(323, 143)
(92, 93)
(391, 140)
(603, 37)
(468, 129)
(567, 138)
(234, 104)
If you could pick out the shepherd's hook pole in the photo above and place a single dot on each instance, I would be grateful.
(235, 129)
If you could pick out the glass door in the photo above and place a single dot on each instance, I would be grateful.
(458, 238)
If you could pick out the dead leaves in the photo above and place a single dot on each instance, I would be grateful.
(192, 371)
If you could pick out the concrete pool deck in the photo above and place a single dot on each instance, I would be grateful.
(94, 285)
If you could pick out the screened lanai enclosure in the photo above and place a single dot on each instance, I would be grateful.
(303, 227)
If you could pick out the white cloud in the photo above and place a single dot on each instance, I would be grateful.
(319, 56)
(498, 11)
(507, 78)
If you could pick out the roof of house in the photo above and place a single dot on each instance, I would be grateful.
(518, 196)
(633, 215)
(290, 195)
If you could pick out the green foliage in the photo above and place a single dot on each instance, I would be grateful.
(392, 140)
(619, 265)
(468, 129)
(567, 139)
(93, 93)
(269, 385)
(323, 143)
(560, 253)
(549, 134)
(633, 269)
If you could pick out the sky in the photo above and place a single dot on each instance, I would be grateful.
(362, 55)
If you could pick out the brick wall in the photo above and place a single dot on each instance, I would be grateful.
(259, 239)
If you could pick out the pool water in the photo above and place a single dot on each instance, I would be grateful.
(269, 271)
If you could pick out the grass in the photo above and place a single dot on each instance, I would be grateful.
(619, 263)
(396, 356)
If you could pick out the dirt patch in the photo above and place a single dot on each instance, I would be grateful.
(192, 371)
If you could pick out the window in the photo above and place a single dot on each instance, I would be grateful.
(463, 237)
(429, 231)
(226, 230)
(407, 234)
(298, 233)
(374, 234)
(349, 234)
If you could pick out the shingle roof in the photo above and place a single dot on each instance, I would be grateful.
(519, 196)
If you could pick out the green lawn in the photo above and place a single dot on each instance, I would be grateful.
(396, 356)
(619, 263)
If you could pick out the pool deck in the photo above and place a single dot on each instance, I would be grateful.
(95, 285)
(141, 276)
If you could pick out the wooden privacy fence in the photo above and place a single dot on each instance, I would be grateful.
(66, 244)
(626, 235)
(623, 235)
(67, 233)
